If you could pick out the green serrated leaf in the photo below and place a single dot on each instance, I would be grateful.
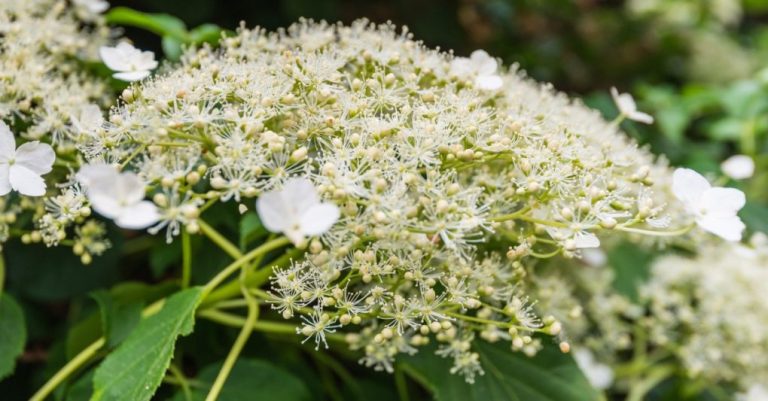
(159, 24)
(136, 368)
(117, 319)
(13, 334)
(252, 380)
(549, 376)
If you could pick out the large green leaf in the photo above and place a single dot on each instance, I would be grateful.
(510, 376)
(136, 368)
(13, 334)
(252, 380)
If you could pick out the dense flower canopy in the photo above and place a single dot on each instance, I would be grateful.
(450, 175)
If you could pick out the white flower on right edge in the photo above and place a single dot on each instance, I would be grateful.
(599, 375)
(118, 196)
(296, 211)
(738, 167)
(756, 392)
(129, 63)
(628, 108)
(714, 208)
(480, 67)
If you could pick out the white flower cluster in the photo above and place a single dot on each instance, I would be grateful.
(713, 309)
(428, 183)
(43, 45)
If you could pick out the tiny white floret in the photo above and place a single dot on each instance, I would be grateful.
(599, 375)
(738, 167)
(296, 211)
(628, 108)
(480, 67)
(22, 168)
(129, 63)
(118, 196)
(714, 208)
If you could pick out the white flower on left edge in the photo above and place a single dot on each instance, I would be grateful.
(21, 168)
(130, 63)
(715, 208)
(479, 66)
(118, 196)
(628, 108)
(296, 211)
(599, 375)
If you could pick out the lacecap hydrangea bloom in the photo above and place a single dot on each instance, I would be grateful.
(420, 187)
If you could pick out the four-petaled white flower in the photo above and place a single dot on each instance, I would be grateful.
(296, 211)
(130, 63)
(714, 208)
(628, 108)
(22, 169)
(738, 167)
(599, 375)
(479, 66)
(118, 196)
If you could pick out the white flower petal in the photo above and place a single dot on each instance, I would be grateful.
(586, 240)
(36, 156)
(5, 184)
(641, 117)
(599, 375)
(489, 82)
(594, 257)
(129, 188)
(727, 228)
(113, 57)
(738, 167)
(722, 202)
(299, 195)
(319, 218)
(461, 67)
(105, 204)
(272, 212)
(138, 216)
(131, 76)
(26, 181)
(7, 143)
(100, 176)
(688, 186)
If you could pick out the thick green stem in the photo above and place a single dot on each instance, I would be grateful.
(237, 347)
(227, 271)
(73, 365)
(219, 240)
(252, 279)
(182, 381)
(186, 263)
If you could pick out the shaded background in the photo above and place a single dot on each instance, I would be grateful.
(567, 42)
